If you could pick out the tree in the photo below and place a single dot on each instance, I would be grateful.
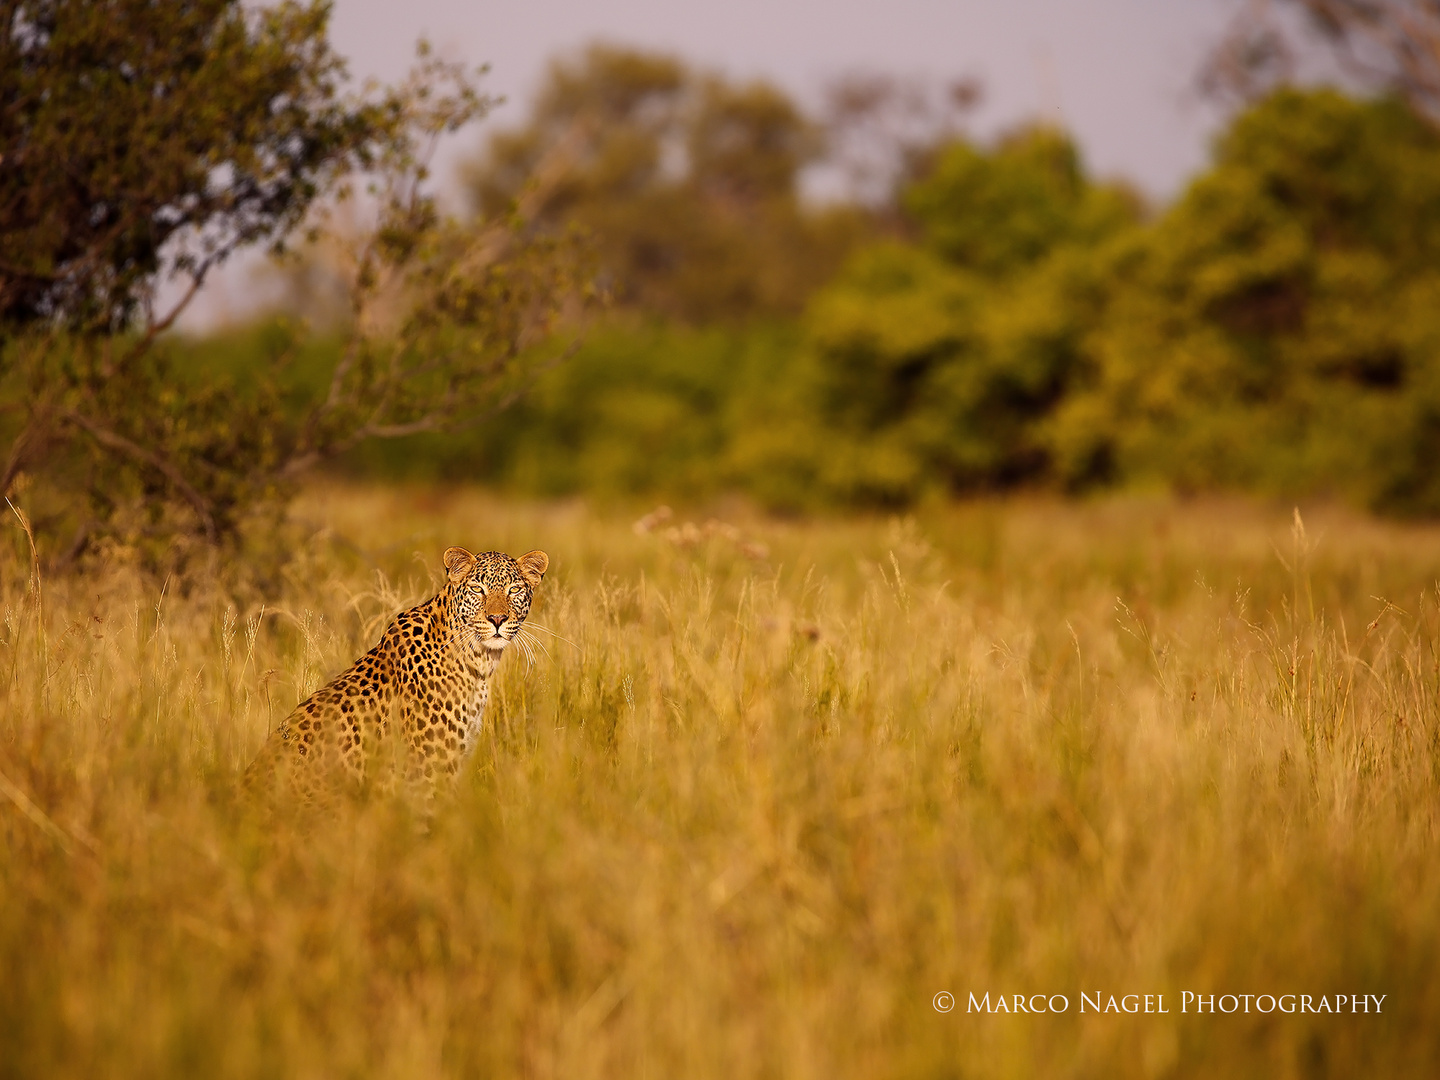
(1279, 327)
(1389, 45)
(882, 132)
(941, 361)
(148, 140)
(686, 182)
(1000, 211)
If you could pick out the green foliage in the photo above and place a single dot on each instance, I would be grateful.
(911, 372)
(1279, 327)
(942, 361)
(150, 141)
(639, 408)
(1001, 211)
(131, 125)
(96, 471)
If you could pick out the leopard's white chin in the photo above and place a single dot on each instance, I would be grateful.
(495, 644)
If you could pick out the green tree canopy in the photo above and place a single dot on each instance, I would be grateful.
(144, 140)
(1000, 210)
(943, 359)
(1276, 329)
(136, 134)
(1279, 326)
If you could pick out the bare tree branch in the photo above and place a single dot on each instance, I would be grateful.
(112, 441)
(481, 252)
(20, 448)
(1391, 45)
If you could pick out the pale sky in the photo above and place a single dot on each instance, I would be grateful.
(1118, 74)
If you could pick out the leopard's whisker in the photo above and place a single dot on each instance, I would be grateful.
(534, 640)
(525, 645)
(528, 625)
(536, 643)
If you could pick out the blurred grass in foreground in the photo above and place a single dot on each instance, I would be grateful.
(782, 784)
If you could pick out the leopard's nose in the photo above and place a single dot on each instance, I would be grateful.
(497, 621)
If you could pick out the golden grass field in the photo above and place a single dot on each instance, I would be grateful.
(774, 786)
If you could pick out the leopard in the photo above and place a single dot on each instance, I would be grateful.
(409, 712)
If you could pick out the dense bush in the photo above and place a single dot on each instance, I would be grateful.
(1277, 329)
(922, 367)
(116, 178)
(638, 409)
(941, 360)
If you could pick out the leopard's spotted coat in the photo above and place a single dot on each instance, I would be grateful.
(426, 684)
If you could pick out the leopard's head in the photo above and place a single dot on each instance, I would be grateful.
(491, 592)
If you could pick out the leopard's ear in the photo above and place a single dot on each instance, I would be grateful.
(458, 563)
(533, 565)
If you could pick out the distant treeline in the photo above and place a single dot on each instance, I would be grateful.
(1003, 320)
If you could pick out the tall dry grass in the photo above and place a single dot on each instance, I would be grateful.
(773, 787)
